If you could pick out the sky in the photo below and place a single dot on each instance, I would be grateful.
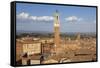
(40, 17)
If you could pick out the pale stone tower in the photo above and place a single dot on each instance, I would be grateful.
(78, 36)
(56, 30)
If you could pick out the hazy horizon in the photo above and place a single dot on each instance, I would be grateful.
(23, 31)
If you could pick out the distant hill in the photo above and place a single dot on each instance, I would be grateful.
(46, 32)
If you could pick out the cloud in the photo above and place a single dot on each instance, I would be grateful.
(73, 19)
(41, 18)
(27, 17)
(23, 15)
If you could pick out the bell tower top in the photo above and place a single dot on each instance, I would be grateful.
(56, 19)
(56, 13)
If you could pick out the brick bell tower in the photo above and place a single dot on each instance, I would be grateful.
(56, 31)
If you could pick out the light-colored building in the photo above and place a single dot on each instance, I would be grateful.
(35, 59)
(31, 47)
(18, 50)
(50, 61)
(26, 49)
